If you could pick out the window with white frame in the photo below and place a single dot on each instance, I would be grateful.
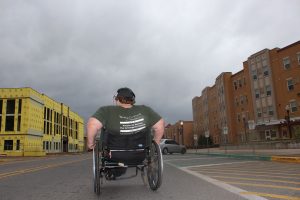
(235, 85)
(242, 99)
(293, 106)
(268, 90)
(286, 63)
(257, 93)
(254, 74)
(290, 84)
(270, 110)
(265, 71)
(258, 110)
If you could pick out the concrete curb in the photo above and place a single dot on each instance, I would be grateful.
(289, 159)
(239, 156)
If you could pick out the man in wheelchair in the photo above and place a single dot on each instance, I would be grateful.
(125, 127)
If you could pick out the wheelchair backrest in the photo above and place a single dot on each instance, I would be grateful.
(140, 140)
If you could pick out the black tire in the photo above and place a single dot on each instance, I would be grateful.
(155, 167)
(165, 151)
(183, 151)
(96, 167)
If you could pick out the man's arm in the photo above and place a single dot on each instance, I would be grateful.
(93, 126)
(159, 129)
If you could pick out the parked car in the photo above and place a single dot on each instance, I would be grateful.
(171, 146)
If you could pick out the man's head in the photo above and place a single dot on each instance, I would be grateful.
(125, 96)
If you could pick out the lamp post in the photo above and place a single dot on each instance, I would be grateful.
(181, 131)
(288, 120)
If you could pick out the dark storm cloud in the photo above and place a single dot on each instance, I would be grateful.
(81, 52)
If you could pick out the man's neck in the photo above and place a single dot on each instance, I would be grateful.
(125, 105)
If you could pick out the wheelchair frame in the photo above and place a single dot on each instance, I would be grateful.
(153, 165)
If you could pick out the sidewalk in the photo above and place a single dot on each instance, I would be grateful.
(280, 155)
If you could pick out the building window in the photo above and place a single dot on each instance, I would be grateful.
(254, 74)
(8, 144)
(242, 99)
(293, 106)
(290, 84)
(258, 112)
(18, 145)
(298, 58)
(270, 110)
(10, 111)
(20, 106)
(268, 90)
(273, 134)
(264, 63)
(286, 63)
(238, 117)
(236, 101)
(235, 85)
(10, 107)
(257, 93)
(9, 124)
(266, 71)
(1, 103)
(240, 83)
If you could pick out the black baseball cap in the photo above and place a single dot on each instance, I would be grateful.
(126, 93)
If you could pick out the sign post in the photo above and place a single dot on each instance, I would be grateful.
(207, 136)
(225, 132)
(196, 141)
(251, 126)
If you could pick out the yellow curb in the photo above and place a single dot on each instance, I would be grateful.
(286, 159)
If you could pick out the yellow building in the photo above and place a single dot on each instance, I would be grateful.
(33, 124)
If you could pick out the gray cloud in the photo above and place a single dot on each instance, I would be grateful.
(81, 52)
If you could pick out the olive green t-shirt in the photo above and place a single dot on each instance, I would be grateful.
(127, 121)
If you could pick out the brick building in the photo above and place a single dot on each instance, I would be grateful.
(181, 132)
(264, 95)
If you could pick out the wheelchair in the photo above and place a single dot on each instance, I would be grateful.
(114, 154)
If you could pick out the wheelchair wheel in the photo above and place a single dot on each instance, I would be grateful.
(96, 168)
(155, 166)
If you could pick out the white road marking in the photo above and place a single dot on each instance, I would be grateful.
(225, 186)
(230, 188)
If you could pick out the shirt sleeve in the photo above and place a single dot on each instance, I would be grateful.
(154, 117)
(100, 115)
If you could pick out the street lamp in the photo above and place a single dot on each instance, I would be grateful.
(181, 130)
(288, 120)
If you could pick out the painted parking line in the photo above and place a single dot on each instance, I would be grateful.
(261, 172)
(230, 188)
(256, 179)
(275, 196)
(241, 174)
(264, 185)
(34, 169)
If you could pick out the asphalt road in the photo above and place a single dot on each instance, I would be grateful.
(186, 176)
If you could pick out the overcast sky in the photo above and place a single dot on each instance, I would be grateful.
(166, 51)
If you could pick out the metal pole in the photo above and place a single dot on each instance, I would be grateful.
(207, 145)
(182, 134)
(288, 123)
(226, 144)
